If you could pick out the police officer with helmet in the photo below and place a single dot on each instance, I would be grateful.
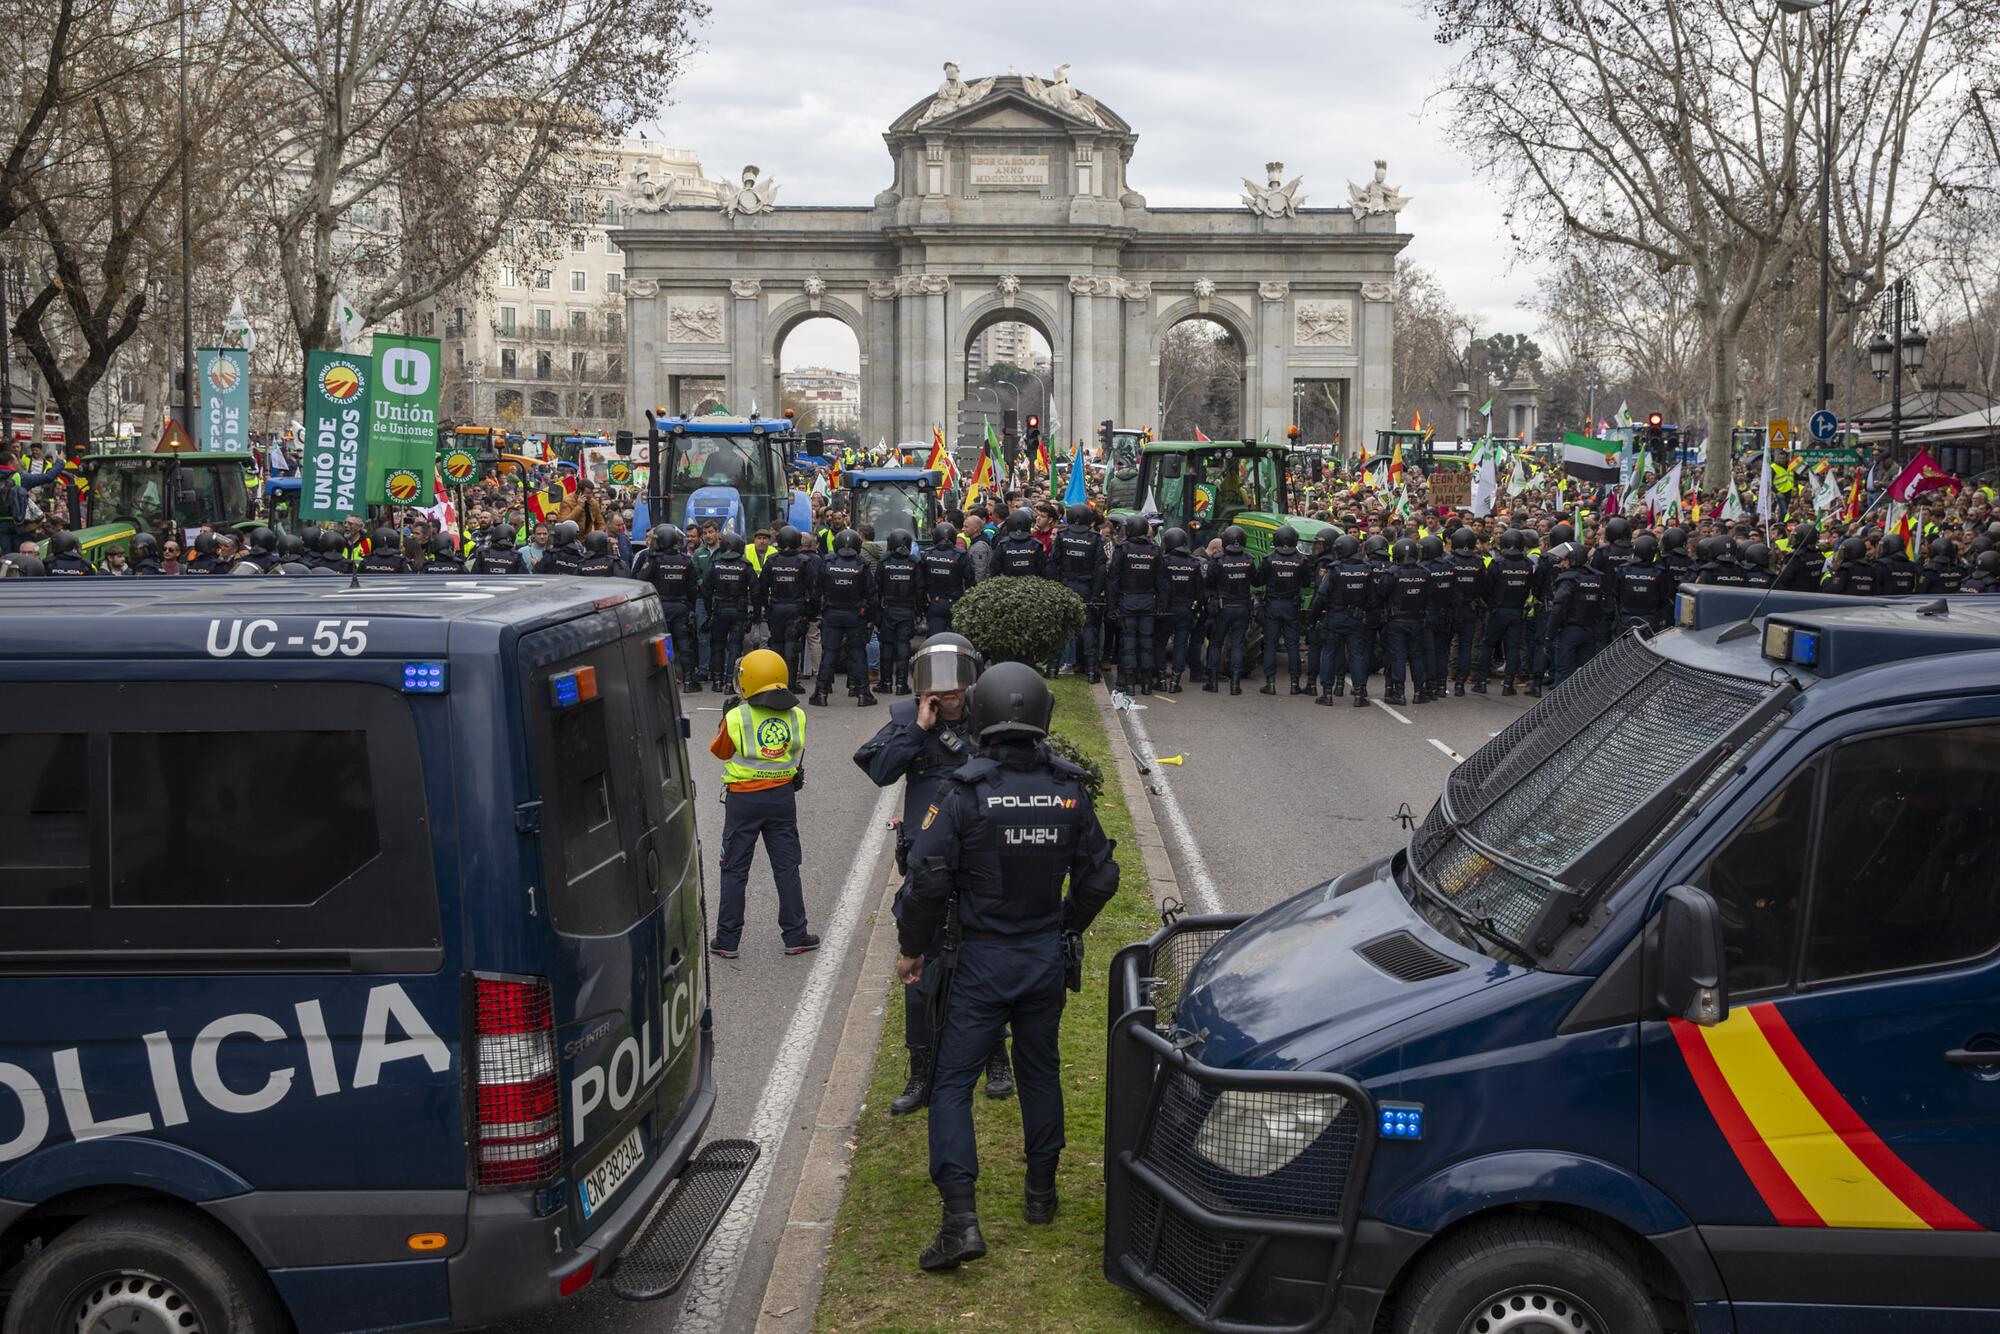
(947, 574)
(1510, 581)
(728, 590)
(1283, 576)
(386, 557)
(1138, 579)
(1342, 608)
(1185, 586)
(847, 591)
(1576, 610)
(787, 595)
(761, 742)
(565, 554)
(1011, 826)
(1077, 561)
(1017, 554)
(923, 741)
(670, 570)
(900, 600)
(1232, 584)
(498, 556)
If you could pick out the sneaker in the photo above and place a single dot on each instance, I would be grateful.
(807, 944)
(722, 951)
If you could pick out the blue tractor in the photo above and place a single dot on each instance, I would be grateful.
(727, 470)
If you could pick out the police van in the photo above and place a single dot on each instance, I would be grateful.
(1680, 1011)
(351, 946)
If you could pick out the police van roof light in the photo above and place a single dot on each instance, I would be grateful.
(1684, 615)
(660, 650)
(1805, 647)
(1400, 1120)
(1777, 641)
(576, 686)
(423, 678)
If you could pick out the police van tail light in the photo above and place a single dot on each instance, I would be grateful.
(517, 1131)
(659, 650)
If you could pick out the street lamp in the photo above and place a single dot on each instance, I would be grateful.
(1825, 180)
(1894, 350)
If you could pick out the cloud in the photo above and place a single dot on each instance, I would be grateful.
(805, 90)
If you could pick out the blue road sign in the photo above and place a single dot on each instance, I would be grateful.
(1822, 426)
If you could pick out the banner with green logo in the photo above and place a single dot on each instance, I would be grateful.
(333, 470)
(223, 374)
(402, 421)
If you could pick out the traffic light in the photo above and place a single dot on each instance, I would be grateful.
(1034, 430)
(1104, 436)
(1010, 429)
(1655, 436)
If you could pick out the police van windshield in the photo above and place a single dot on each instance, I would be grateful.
(1542, 819)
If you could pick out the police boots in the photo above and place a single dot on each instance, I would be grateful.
(692, 686)
(1210, 686)
(1458, 689)
(902, 681)
(916, 1094)
(1360, 695)
(1535, 687)
(1235, 684)
(1506, 687)
(1297, 689)
(1394, 695)
(819, 697)
(1325, 696)
(999, 1072)
(1479, 687)
(1270, 686)
(1174, 684)
(958, 1240)
(1038, 1195)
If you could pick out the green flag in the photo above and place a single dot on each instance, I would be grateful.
(1486, 408)
(402, 421)
(335, 446)
(223, 373)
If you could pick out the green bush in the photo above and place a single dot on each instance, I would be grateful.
(1093, 773)
(1018, 619)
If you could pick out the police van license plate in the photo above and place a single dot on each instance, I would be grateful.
(611, 1172)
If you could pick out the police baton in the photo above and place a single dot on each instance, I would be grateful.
(949, 940)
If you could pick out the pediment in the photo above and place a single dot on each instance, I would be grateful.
(1007, 111)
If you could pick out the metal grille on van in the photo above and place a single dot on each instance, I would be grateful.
(517, 1132)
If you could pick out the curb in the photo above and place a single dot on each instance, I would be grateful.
(792, 1294)
(1153, 849)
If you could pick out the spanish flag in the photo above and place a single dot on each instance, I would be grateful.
(940, 459)
(1853, 510)
(1042, 458)
(1396, 465)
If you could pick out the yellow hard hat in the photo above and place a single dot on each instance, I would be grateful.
(761, 670)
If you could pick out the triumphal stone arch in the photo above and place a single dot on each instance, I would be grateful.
(1011, 201)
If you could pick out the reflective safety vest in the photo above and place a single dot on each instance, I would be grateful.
(769, 743)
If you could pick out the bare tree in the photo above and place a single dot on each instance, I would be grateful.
(434, 123)
(1201, 382)
(1683, 133)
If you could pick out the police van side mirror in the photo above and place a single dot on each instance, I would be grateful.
(1684, 959)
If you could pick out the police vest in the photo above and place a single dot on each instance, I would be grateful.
(769, 743)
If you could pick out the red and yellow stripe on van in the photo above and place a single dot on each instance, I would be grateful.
(1811, 1157)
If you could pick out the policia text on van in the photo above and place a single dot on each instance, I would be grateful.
(1680, 1011)
(352, 944)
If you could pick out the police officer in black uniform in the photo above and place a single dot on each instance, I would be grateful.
(1803, 566)
(1438, 617)
(847, 593)
(1576, 610)
(1186, 587)
(666, 565)
(1942, 572)
(1011, 826)
(331, 552)
(899, 599)
(1676, 562)
(1232, 585)
(1471, 596)
(1985, 576)
(498, 556)
(729, 590)
(1017, 554)
(1342, 609)
(1510, 582)
(1853, 574)
(789, 586)
(1077, 561)
(1755, 560)
(1406, 597)
(204, 561)
(1723, 568)
(444, 557)
(600, 558)
(386, 557)
(565, 553)
(1323, 560)
(263, 551)
(1896, 572)
(1543, 639)
(921, 743)
(1138, 579)
(1284, 576)
(146, 557)
(1640, 590)
(947, 574)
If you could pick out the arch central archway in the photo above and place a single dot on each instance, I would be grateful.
(816, 363)
(1203, 378)
(989, 329)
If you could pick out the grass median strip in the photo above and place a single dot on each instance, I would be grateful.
(1033, 1278)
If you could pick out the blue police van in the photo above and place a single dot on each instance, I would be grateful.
(351, 947)
(1680, 1011)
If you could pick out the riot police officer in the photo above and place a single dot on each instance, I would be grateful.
(498, 556)
(1804, 567)
(1853, 574)
(146, 557)
(1077, 560)
(1232, 585)
(444, 557)
(899, 599)
(385, 558)
(947, 574)
(1510, 582)
(1470, 595)
(847, 592)
(1186, 585)
(1985, 576)
(1405, 596)
(263, 551)
(728, 590)
(600, 559)
(1640, 592)
(666, 565)
(1342, 611)
(1942, 572)
(1283, 577)
(1011, 826)
(788, 588)
(1895, 571)
(331, 549)
(1017, 554)
(1755, 559)
(310, 555)
(1543, 636)
(1138, 579)
(1323, 559)
(1576, 610)
(565, 553)
(1723, 568)
(1678, 565)
(204, 561)
(922, 742)
(1438, 616)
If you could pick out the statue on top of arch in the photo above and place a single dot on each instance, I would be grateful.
(954, 94)
(1273, 200)
(1378, 196)
(1059, 94)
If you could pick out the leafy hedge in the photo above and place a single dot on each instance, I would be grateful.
(1011, 619)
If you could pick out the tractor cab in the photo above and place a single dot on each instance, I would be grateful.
(886, 499)
(1122, 490)
(727, 470)
(128, 494)
(1205, 486)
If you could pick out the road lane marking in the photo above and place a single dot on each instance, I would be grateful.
(712, 1286)
(1201, 885)
(1456, 758)
(1391, 712)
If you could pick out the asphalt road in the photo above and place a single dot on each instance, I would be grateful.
(1275, 793)
(763, 1047)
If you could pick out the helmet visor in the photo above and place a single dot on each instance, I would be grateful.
(939, 669)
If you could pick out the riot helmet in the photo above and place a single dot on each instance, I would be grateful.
(597, 542)
(1989, 561)
(145, 547)
(1345, 547)
(1853, 548)
(1010, 702)
(310, 536)
(943, 663)
(1376, 545)
(1561, 535)
(1082, 516)
(204, 544)
(732, 544)
(847, 544)
(330, 543)
(1286, 538)
(386, 543)
(291, 546)
(1617, 529)
(1893, 545)
(1135, 527)
(1021, 522)
(564, 533)
(1233, 540)
(1432, 547)
(664, 538)
(1674, 539)
(1805, 537)
(1756, 555)
(263, 541)
(1645, 548)
(1405, 552)
(1174, 539)
(944, 535)
(1944, 549)
(64, 544)
(788, 538)
(1464, 540)
(900, 542)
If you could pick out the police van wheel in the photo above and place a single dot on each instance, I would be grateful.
(1524, 1276)
(142, 1269)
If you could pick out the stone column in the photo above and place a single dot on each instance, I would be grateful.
(643, 339)
(1377, 396)
(746, 347)
(936, 362)
(1272, 391)
(1083, 370)
(909, 358)
(879, 387)
(1140, 380)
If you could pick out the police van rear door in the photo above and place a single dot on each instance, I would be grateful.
(619, 865)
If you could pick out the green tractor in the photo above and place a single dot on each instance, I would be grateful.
(1204, 486)
(127, 494)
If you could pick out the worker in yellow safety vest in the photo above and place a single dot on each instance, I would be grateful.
(761, 742)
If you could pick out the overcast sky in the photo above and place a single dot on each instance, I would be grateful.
(1214, 91)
